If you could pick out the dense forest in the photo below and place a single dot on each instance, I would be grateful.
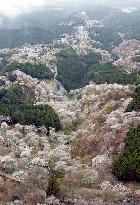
(75, 71)
(72, 69)
(127, 166)
(107, 73)
(106, 36)
(127, 24)
(13, 103)
(38, 70)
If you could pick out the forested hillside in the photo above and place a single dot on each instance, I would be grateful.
(70, 104)
(13, 103)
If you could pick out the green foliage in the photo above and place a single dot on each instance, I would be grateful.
(135, 103)
(70, 96)
(12, 78)
(53, 187)
(2, 82)
(107, 73)
(72, 69)
(11, 96)
(39, 26)
(106, 36)
(91, 59)
(109, 108)
(39, 71)
(4, 60)
(75, 72)
(67, 50)
(59, 173)
(36, 115)
(14, 104)
(127, 167)
(67, 130)
(56, 173)
(61, 29)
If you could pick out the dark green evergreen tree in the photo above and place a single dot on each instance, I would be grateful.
(127, 167)
(53, 187)
(135, 103)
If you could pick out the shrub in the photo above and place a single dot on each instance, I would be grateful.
(127, 167)
(67, 130)
(12, 78)
(109, 108)
(2, 82)
(53, 187)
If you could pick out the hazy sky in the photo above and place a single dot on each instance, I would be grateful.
(13, 7)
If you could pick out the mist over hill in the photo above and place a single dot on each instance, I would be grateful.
(15, 31)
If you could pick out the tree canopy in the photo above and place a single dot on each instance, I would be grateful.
(38, 70)
(106, 36)
(72, 69)
(14, 104)
(135, 103)
(127, 166)
(107, 73)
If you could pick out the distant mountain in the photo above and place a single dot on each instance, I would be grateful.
(42, 26)
(45, 18)
(16, 37)
(125, 23)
